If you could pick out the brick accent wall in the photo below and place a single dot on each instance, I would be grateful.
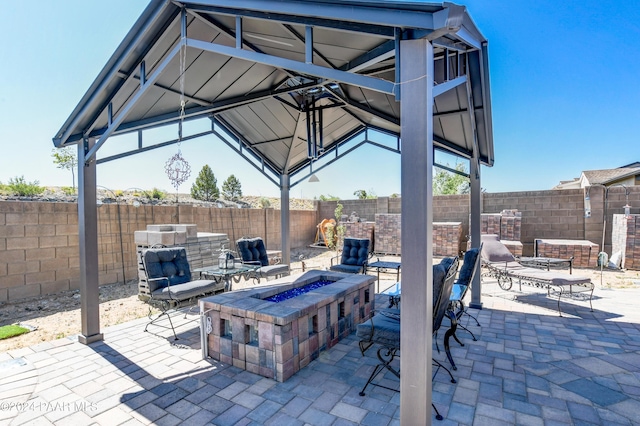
(584, 253)
(447, 236)
(626, 239)
(360, 230)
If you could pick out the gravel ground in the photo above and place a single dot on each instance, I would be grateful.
(57, 316)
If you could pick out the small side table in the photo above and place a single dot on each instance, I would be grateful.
(547, 262)
(384, 266)
(394, 294)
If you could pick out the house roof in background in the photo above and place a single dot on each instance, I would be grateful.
(606, 176)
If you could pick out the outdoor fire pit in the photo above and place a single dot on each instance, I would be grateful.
(278, 329)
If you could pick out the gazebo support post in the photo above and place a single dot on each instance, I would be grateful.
(88, 246)
(416, 105)
(475, 199)
(285, 218)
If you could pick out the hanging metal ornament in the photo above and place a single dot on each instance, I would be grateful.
(177, 168)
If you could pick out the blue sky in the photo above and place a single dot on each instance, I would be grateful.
(565, 87)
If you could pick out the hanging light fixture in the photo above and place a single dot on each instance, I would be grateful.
(313, 111)
(314, 178)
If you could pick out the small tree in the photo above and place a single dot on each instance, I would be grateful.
(448, 183)
(66, 158)
(364, 195)
(231, 189)
(361, 194)
(205, 187)
(335, 234)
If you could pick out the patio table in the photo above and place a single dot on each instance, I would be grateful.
(380, 265)
(227, 274)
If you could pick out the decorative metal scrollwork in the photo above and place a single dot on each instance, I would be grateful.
(178, 170)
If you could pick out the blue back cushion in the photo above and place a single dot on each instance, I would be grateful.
(253, 250)
(468, 267)
(355, 251)
(440, 292)
(170, 263)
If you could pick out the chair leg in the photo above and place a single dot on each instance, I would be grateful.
(165, 311)
(473, 336)
(364, 345)
(451, 332)
(466, 312)
(440, 365)
(438, 415)
(385, 355)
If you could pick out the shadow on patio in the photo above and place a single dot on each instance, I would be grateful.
(529, 366)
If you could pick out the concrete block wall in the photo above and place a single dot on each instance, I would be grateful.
(545, 214)
(550, 214)
(39, 251)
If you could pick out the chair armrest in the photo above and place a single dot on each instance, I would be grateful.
(252, 262)
(155, 283)
(336, 258)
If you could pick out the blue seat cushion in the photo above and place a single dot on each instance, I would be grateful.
(386, 328)
(349, 269)
(272, 270)
(187, 290)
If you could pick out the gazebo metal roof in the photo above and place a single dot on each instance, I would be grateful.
(251, 65)
(290, 83)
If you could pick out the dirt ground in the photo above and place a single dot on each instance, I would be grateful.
(57, 316)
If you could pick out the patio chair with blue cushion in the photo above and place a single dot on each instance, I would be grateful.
(355, 256)
(384, 327)
(461, 286)
(253, 252)
(166, 283)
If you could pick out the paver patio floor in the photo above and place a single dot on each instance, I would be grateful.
(528, 367)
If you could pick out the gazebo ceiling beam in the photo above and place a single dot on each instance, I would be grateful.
(288, 12)
(376, 55)
(194, 112)
(370, 83)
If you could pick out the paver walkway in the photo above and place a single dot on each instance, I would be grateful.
(528, 367)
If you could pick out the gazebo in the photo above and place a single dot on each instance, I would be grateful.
(292, 86)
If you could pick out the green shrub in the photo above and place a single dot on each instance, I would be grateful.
(18, 186)
(265, 203)
(68, 190)
(156, 194)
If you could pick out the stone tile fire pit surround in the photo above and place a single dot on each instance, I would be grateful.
(277, 339)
